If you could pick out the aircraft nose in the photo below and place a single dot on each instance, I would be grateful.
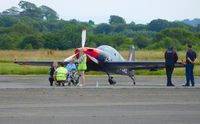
(77, 51)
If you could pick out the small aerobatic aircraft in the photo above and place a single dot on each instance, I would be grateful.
(107, 59)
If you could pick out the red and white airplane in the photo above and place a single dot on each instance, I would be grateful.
(107, 59)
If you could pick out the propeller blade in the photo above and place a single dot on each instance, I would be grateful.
(83, 37)
(93, 59)
(69, 58)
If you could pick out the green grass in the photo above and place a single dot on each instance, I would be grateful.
(11, 68)
(177, 72)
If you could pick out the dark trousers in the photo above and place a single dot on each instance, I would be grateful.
(51, 79)
(169, 71)
(189, 74)
(61, 82)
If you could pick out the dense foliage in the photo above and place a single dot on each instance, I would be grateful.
(32, 27)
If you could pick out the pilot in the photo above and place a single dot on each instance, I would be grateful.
(60, 74)
(171, 58)
(82, 67)
(190, 61)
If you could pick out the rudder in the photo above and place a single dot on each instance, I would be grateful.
(131, 56)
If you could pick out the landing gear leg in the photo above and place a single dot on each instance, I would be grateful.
(111, 79)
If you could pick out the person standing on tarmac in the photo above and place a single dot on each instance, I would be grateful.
(60, 74)
(82, 67)
(189, 68)
(171, 58)
(51, 73)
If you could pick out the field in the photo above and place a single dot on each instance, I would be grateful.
(7, 57)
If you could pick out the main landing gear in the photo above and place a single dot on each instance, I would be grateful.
(111, 80)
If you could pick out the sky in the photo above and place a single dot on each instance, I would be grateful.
(138, 11)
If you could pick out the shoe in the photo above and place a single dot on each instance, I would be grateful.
(185, 85)
(193, 84)
(172, 85)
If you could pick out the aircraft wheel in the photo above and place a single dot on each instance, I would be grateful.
(112, 81)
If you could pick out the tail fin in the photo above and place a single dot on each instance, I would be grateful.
(131, 56)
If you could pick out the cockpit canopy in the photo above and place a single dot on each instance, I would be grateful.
(114, 55)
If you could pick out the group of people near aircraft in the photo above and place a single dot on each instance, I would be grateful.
(63, 74)
(171, 58)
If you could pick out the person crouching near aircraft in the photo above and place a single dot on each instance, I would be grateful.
(82, 67)
(60, 74)
(170, 59)
(71, 68)
(51, 73)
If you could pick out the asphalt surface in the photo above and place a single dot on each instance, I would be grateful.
(30, 100)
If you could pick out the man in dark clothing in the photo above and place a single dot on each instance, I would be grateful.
(190, 61)
(170, 59)
(51, 73)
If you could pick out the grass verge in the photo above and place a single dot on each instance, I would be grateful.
(11, 68)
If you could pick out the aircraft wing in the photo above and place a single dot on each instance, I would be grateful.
(36, 63)
(138, 65)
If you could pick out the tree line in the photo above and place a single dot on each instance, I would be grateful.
(32, 27)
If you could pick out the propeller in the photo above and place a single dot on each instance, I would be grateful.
(83, 45)
(70, 58)
(93, 59)
(83, 38)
